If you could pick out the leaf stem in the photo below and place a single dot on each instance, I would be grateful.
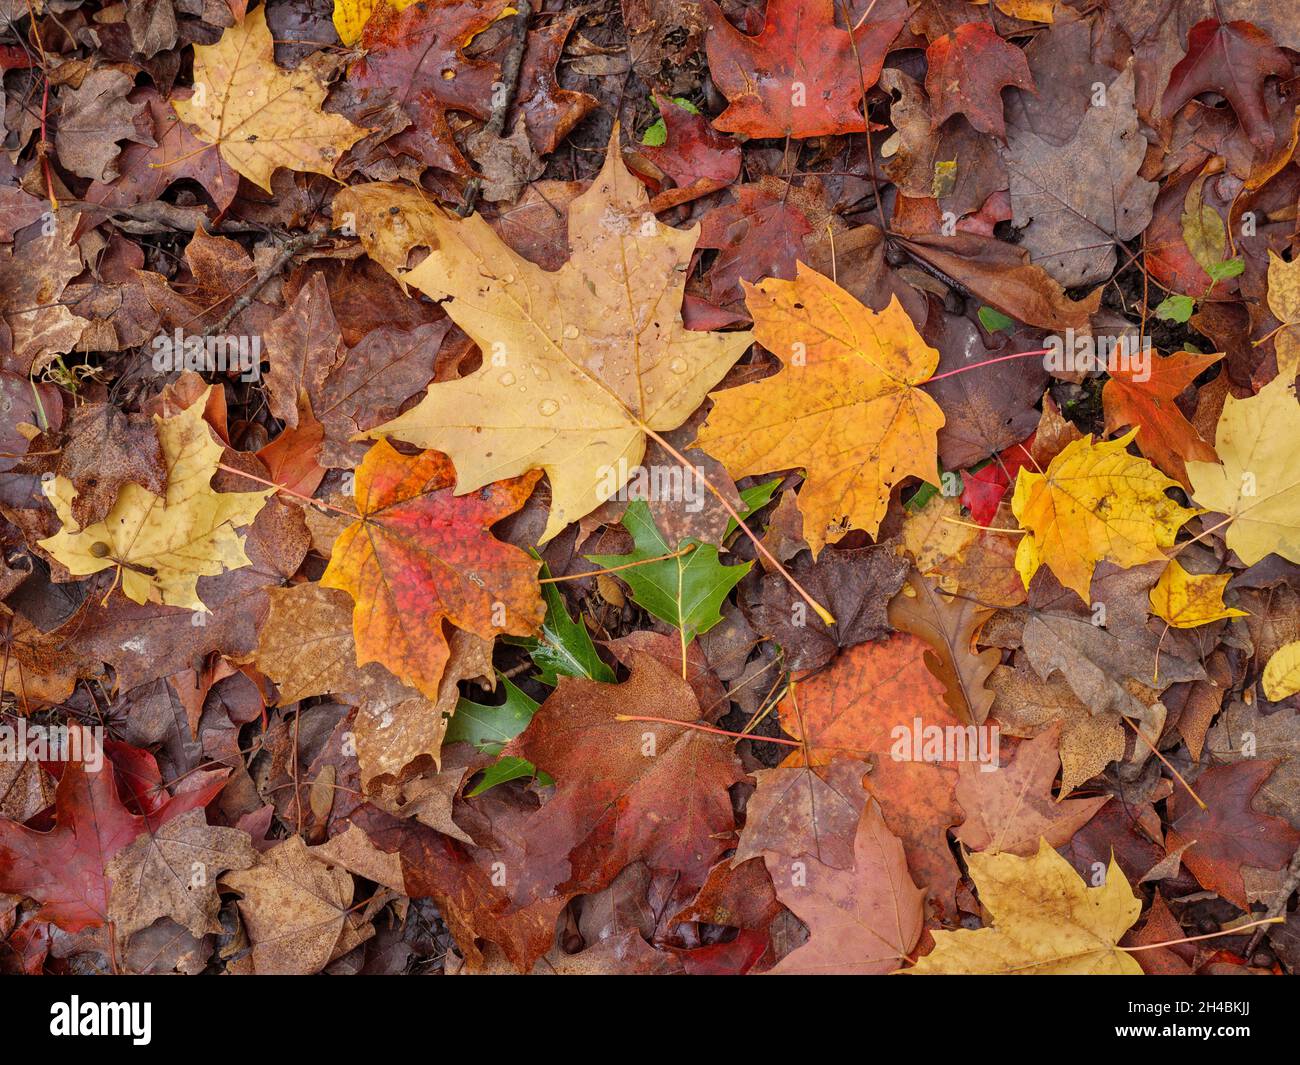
(986, 362)
(827, 617)
(707, 728)
(614, 569)
(289, 491)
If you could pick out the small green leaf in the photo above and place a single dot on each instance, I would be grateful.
(509, 769)
(1225, 269)
(489, 728)
(753, 499)
(1176, 308)
(686, 591)
(565, 647)
(657, 135)
(993, 320)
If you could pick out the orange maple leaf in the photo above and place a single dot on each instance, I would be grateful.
(421, 555)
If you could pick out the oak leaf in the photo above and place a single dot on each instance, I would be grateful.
(845, 407)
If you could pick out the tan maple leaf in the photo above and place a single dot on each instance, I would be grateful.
(579, 364)
(162, 544)
(259, 116)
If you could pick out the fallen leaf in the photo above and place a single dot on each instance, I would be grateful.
(420, 556)
(845, 406)
(258, 116)
(1046, 921)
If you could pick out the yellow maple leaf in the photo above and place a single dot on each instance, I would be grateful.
(259, 116)
(1282, 674)
(351, 16)
(1186, 600)
(845, 407)
(1255, 482)
(1094, 503)
(1284, 302)
(578, 364)
(162, 545)
(1046, 921)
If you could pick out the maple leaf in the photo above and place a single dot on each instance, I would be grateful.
(346, 389)
(161, 545)
(579, 364)
(1027, 705)
(697, 158)
(154, 876)
(686, 591)
(855, 586)
(1255, 485)
(67, 868)
(863, 921)
(1074, 203)
(805, 810)
(1094, 502)
(1046, 921)
(802, 76)
(1009, 809)
(1284, 302)
(1228, 833)
(350, 16)
(845, 406)
(1167, 438)
(420, 556)
(259, 116)
(1104, 643)
(613, 803)
(415, 57)
(856, 707)
(967, 70)
(760, 235)
(1186, 600)
(296, 910)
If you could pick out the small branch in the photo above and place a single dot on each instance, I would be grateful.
(291, 247)
(496, 123)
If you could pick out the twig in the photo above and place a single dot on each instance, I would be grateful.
(496, 123)
(292, 247)
(1277, 908)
